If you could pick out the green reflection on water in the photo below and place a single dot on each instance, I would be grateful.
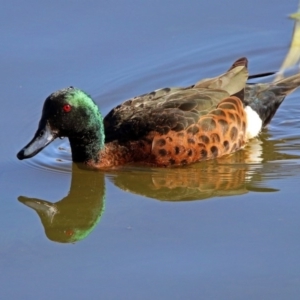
(75, 216)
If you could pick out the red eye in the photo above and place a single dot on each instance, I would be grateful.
(67, 107)
(69, 232)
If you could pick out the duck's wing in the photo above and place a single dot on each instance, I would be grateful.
(173, 108)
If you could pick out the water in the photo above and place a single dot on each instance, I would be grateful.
(224, 229)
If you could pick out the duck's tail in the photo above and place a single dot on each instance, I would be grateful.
(265, 98)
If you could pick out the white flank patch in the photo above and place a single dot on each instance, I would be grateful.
(254, 123)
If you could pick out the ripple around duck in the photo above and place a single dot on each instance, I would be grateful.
(56, 157)
(182, 68)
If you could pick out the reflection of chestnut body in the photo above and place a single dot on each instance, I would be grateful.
(76, 215)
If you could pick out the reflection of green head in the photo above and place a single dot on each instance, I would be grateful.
(80, 225)
(75, 216)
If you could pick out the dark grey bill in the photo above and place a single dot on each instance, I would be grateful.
(43, 137)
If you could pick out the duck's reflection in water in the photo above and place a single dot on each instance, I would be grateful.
(228, 176)
(75, 216)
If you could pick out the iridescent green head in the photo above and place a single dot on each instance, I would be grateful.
(71, 113)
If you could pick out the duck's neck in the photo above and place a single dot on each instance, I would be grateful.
(86, 146)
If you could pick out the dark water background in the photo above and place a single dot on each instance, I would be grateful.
(126, 234)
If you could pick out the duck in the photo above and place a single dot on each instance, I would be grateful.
(164, 128)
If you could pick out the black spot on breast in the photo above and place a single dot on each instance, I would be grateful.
(203, 153)
(172, 161)
(162, 152)
(193, 129)
(161, 142)
(191, 141)
(184, 162)
(177, 150)
(215, 138)
(190, 152)
(204, 139)
(214, 151)
(233, 133)
(226, 145)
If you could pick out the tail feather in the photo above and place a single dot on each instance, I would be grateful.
(265, 98)
(289, 84)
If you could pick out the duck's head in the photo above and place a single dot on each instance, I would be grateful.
(71, 113)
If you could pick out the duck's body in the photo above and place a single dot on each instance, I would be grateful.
(175, 137)
(168, 127)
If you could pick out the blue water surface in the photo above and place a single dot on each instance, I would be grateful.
(242, 242)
